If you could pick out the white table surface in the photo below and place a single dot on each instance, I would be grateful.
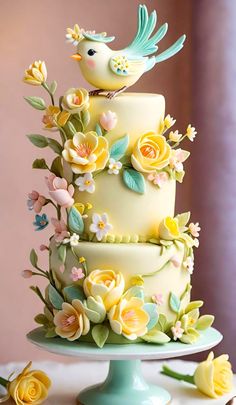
(69, 379)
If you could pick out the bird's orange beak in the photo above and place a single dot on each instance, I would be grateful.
(76, 56)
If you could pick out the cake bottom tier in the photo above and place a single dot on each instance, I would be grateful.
(155, 266)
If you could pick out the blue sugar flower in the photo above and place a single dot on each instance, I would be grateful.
(41, 221)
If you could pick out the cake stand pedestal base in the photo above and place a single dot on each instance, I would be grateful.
(124, 384)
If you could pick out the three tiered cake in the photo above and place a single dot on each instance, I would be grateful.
(120, 261)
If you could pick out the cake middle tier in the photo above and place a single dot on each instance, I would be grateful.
(134, 217)
(151, 262)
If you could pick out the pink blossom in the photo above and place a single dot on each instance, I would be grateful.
(77, 274)
(158, 299)
(60, 228)
(60, 191)
(108, 120)
(177, 331)
(36, 201)
(158, 179)
(27, 273)
(175, 261)
(42, 248)
(194, 229)
(62, 268)
(177, 158)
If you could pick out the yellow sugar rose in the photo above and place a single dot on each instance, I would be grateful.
(151, 152)
(169, 229)
(36, 74)
(214, 377)
(71, 322)
(86, 152)
(29, 387)
(129, 318)
(54, 117)
(106, 284)
(76, 100)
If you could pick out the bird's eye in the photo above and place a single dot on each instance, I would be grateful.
(91, 52)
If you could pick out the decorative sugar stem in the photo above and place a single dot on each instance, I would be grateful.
(45, 86)
(177, 376)
(157, 271)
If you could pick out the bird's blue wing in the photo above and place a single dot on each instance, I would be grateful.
(172, 50)
(121, 65)
(144, 43)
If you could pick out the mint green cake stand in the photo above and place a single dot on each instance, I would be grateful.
(124, 384)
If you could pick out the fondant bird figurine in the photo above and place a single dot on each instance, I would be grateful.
(114, 71)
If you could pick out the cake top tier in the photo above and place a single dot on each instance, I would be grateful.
(114, 71)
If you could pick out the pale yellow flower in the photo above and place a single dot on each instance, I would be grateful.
(74, 35)
(54, 117)
(214, 377)
(36, 74)
(175, 136)
(76, 100)
(106, 284)
(129, 318)
(166, 123)
(191, 133)
(151, 152)
(169, 228)
(29, 387)
(71, 322)
(86, 152)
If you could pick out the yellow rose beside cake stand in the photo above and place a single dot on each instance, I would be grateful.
(124, 384)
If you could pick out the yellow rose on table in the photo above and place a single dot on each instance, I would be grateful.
(29, 387)
(169, 229)
(129, 318)
(86, 153)
(36, 74)
(76, 100)
(151, 152)
(106, 284)
(214, 377)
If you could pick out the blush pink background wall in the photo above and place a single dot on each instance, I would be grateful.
(31, 31)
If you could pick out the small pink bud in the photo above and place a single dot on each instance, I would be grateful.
(27, 273)
(43, 247)
(175, 261)
(108, 120)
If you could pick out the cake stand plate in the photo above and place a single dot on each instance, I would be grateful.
(124, 384)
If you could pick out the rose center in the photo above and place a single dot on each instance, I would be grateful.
(128, 315)
(101, 225)
(148, 151)
(68, 321)
(83, 150)
(77, 100)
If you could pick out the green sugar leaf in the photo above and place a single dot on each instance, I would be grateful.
(39, 164)
(100, 334)
(36, 102)
(156, 336)
(174, 303)
(74, 292)
(41, 319)
(85, 118)
(33, 258)
(118, 148)
(56, 167)
(62, 253)
(53, 87)
(151, 310)
(204, 322)
(134, 180)
(55, 298)
(55, 146)
(71, 127)
(98, 129)
(38, 140)
(75, 221)
(183, 219)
